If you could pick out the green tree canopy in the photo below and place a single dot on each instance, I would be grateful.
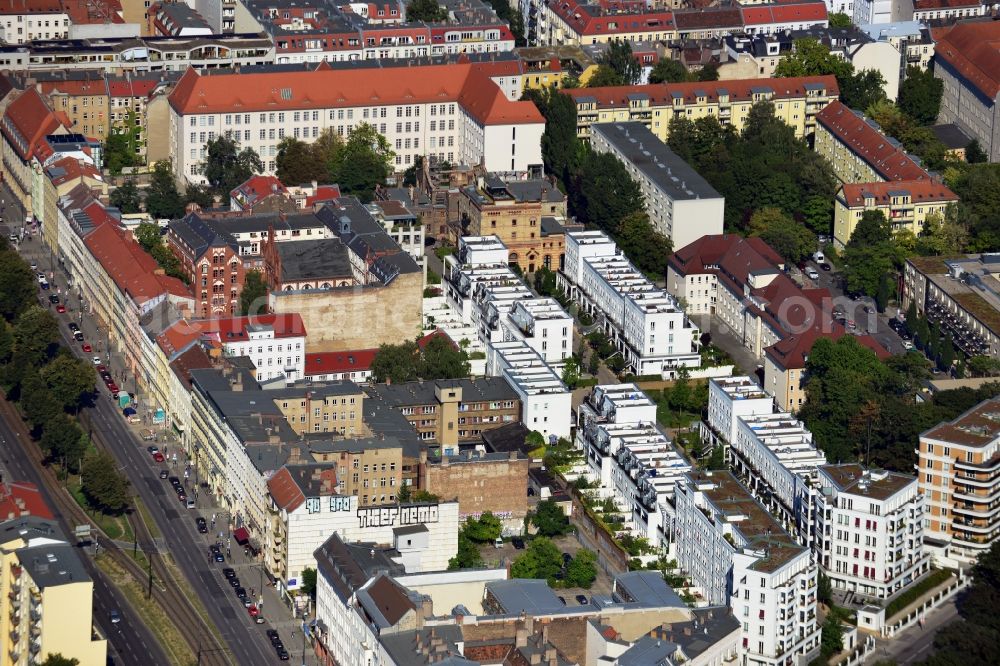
(58, 660)
(36, 336)
(63, 439)
(920, 95)
(559, 141)
(603, 192)
(36, 399)
(439, 359)
(974, 153)
(669, 71)
(620, 59)
(70, 379)
(126, 197)
(426, 10)
(253, 297)
(17, 284)
(643, 244)
(467, 556)
(104, 486)
(581, 571)
(163, 200)
(791, 239)
(840, 20)
(309, 582)
(605, 76)
(541, 560)
(871, 254)
(118, 153)
(484, 529)
(299, 162)
(227, 166)
(550, 519)
(810, 57)
(363, 163)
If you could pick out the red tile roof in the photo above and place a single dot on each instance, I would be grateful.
(256, 188)
(436, 333)
(178, 338)
(234, 329)
(800, 12)
(193, 359)
(132, 86)
(973, 50)
(20, 498)
(920, 191)
(323, 193)
(327, 363)
(925, 5)
(738, 90)
(30, 6)
(72, 169)
(885, 156)
(74, 87)
(791, 353)
(133, 271)
(324, 88)
(27, 121)
(284, 491)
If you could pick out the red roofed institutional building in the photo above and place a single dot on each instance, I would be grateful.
(742, 282)
(967, 60)
(454, 112)
(26, 122)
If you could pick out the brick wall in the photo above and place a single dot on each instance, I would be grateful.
(500, 486)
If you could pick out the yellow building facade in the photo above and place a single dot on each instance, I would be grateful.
(797, 101)
(906, 204)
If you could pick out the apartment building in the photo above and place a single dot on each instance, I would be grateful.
(526, 215)
(729, 400)
(275, 343)
(454, 112)
(33, 20)
(128, 98)
(118, 55)
(796, 101)
(858, 150)
(927, 10)
(546, 66)
(543, 325)
(630, 459)
(738, 555)
(869, 529)
(957, 468)
(448, 412)
(26, 123)
(545, 400)
(681, 204)
(966, 61)
(906, 205)
(82, 96)
(62, 177)
(776, 457)
(645, 323)
(961, 295)
(50, 596)
(175, 19)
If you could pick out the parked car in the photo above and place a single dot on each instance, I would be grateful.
(114, 616)
(826, 266)
(41, 278)
(152, 449)
(73, 326)
(252, 610)
(811, 273)
(61, 309)
(201, 524)
(87, 348)
(78, 336)
(229, 572)
(158, 457)
(163, 473)
(518, 543)
(190, 504)
(908, 346)
(582, 600)
(147, 434)
(53, 299)
(234, 582)
(241, 593)
(272, 635)
(96, 360)
(45, 285)
(282, 654)
(566, 558)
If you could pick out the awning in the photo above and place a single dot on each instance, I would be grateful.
(128, 411)
(241, 535)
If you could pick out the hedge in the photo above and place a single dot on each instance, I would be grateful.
(935, 578)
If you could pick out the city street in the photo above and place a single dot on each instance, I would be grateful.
(915, 643)
(245, 641)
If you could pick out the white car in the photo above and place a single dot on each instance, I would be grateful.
(811, 273)
(908, 346)
(42, 278)
(96, 360)
(818, 257)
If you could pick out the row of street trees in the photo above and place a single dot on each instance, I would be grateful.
(49, 384)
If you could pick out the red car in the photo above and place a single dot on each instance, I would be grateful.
(158, 457)
(252, 609)
(87, 347)
(61, 309)
(101, 369)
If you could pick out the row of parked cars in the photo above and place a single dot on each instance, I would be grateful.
(252, 610)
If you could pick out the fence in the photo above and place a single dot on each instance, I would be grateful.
(938, 598)
(859, 654)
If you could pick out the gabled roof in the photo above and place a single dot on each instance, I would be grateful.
(884, 155)
(27, 121)
(257, 187)
(20, 498)
(919, 191)
(30, 7)
(325, 363)
(194, 358)
(290, 485)
(229, 91)
(133, 271)
(238, 329)
(814, 12)
(973, 50)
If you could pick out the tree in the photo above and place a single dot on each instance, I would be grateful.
(118, 154)
(17, 285)
(870, 253)
(126, 197)
(603, 192)
(709, 72)
(363, 163)
(57, 659)
(581, 571)
(862, 89)
(810, 57)
(620, 59)
(920, 95)
(559, 141)
(484, 529)
(61, 438)
(147, 234)
(643, 244)
(198, 194)
(36, 399)
(253, 296)
(299, 162)
(309, 582)
(396, 363)
(550, 519)
(105, 488)
(974, 153)
(840, 20)
(832, 638)
(668, 71)
(984, 366)
(541, 560)
(36, 336)
(605, 76)
(441, 359)
(942, 234)
(467, 556)
(791, 239)
(163, 200)
(226, 166)
(824, 589)
(571, 373)
(70, 379)
(426, 10)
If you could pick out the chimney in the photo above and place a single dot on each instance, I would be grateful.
(521, 637)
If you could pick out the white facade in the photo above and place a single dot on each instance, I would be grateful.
(644, 322)
(310, 524)
(33, 26)
(281, 357)
(732, 398)
(681, 205)
(349, 637)
(776, 456)
(872, 11)
(543, 325)
(733, 550)
(869, 529)
(546, 403)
